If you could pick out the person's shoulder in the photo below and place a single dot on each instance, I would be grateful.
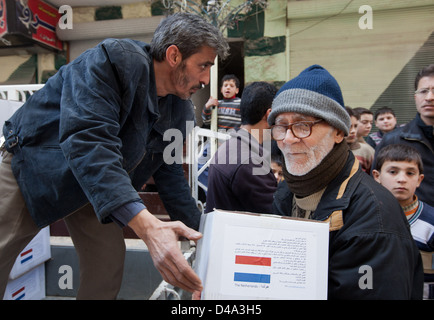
(427, 211)
(128, 46)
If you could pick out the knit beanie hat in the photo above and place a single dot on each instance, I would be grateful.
(313, 92)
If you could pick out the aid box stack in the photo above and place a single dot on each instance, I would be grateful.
(27, 277)
(252, 256)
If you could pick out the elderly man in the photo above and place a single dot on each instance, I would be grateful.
(371, 254)
(81, 147)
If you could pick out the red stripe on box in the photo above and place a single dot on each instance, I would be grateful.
(17, 292)
(256, 261)
(24, 253)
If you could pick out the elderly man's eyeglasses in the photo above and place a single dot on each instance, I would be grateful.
(424, 91)
(300, 130)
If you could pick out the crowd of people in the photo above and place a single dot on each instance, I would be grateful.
(81, 147)
(330, 171)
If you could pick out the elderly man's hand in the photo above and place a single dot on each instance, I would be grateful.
(161, 239)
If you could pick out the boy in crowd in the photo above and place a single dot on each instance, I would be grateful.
(399, 168)
(228, 109)
(385, 121)
(362, 151)
(228, 116)
(365, 120)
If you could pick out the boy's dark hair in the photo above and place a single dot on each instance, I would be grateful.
(383, 110)
(352, 113)
(398, 152)
(359, 111)
(256, 100)
(427, 71)
(231, 77)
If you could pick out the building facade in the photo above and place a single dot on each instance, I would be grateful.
(373, 48)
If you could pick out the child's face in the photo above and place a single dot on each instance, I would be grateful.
(352, 135)
(386, 122)
(401, 178)
(365, 124)
(277, 171)
(229, 89)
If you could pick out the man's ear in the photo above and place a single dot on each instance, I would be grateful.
(339, 136)
(173, 55)
(267, 113)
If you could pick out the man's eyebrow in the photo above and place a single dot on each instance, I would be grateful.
(207, 63)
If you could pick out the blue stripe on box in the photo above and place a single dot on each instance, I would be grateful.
(26, 259)
(252, 277)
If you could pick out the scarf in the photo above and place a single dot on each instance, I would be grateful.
(319, 177)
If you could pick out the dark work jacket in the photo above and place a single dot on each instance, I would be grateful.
(368, 232)
(94, 133)
(240, 177)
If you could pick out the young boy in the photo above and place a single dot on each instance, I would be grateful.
(362, 151)
(228, 117)
(228, 109)
(385, 121)
(276, 162)
(399, 168)
(365, 118)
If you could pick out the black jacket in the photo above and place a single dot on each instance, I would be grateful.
(240, 177)
(369, 235)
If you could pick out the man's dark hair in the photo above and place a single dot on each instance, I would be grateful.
(427, 71)
(256, 100)
(189, 32)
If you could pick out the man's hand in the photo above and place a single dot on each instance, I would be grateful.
(161, 239)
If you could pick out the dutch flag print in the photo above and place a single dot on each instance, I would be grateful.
(259, 269)
(19, 294)
(26, 256)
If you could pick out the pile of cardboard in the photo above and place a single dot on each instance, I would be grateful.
(27, 277)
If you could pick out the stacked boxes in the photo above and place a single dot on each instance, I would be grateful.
(27, 277)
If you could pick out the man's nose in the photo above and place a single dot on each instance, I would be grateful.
(290, 138)
(430, 94)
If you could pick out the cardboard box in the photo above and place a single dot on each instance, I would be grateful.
(30, 286)
(251, 256)
(36, 252)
